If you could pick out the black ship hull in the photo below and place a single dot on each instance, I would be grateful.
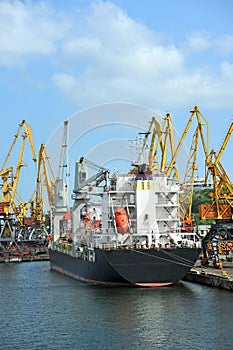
(121, 267)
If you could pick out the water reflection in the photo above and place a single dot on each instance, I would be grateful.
(62, 313)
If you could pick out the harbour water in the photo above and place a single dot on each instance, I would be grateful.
(41, 309)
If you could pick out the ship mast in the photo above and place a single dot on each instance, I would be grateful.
(61, 206)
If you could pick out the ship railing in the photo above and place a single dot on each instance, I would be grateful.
(112, 240)
(64, 247)
(103, 240)
(109, 239)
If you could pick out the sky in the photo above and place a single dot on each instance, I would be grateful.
(60, 58)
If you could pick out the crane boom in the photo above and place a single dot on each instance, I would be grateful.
(224, 144)
(205, 144)
(16, 136)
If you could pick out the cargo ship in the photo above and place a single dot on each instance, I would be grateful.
(125, 230)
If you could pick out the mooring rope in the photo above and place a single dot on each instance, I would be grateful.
(161, 258)
(177, 257)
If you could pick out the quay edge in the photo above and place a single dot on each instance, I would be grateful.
(209, 276)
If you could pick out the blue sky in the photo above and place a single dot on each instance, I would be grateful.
(60, 57)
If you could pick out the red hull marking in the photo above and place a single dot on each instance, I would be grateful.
(152, 285)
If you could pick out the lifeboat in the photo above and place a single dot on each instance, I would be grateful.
(122, 220)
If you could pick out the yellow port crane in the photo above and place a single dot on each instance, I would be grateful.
(219, 240)
(9, 189)
(45, 178)
(205, 143)
(156, 142)
(168, 142)
(222, 196)
(187, 185)
(161, 143)
(186, 196)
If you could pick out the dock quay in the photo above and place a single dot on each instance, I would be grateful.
(210, 276)
(26, 255)
(23, 258)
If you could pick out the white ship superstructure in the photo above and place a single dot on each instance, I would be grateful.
(138, 209)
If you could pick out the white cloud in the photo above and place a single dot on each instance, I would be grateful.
(103, 55)
(27, 28)
(199, 41)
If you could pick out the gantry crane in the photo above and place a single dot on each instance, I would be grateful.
(186, 196)
(10, 188)
(162, 143)
(45, 178)
(34, 226)
(219, 239)
(187, 185)
(222, 204)
(163, 140)
(205, 142)
(9, 210)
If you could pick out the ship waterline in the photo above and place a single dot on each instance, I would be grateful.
(125, 266)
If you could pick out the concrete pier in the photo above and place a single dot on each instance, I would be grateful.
(28, 254)
(210, 276)
(23, 258)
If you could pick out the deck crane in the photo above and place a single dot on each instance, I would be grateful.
(220, 236)
(61, 206)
